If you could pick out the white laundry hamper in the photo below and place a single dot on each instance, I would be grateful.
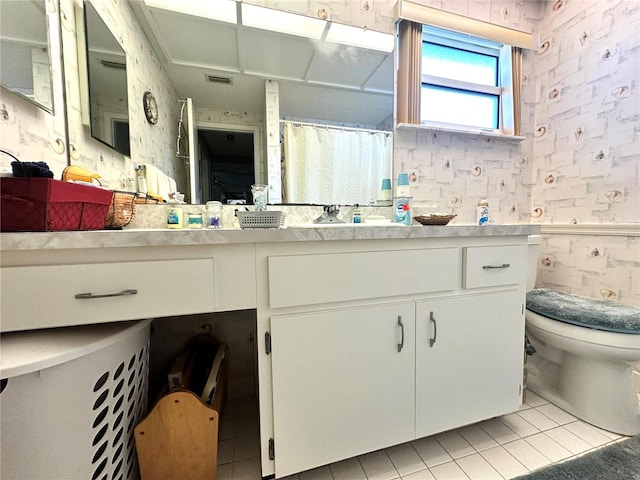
(70, 400)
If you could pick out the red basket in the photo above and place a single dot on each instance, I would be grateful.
(44, 205)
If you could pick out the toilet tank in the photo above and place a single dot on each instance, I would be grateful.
(533, 250)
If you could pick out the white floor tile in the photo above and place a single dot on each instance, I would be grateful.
(226, 429)
(349, 469)
(225, 472)
(225, 451)
(505, 463)
(431, 451)
(247, 469)
(448, 471)
(568, 440)
(378, 466)
(526, 454)
(405, 459)
(587, 433)
(247, 446)
(548, 447)
(499, 431)
(246, 425)
(537, 419)
(534, 400)
(519, 425)
(455, 444)
(320, 473)
(476, 467)
(556, 414)
(611, 435)
(477, 437)
(419, 475)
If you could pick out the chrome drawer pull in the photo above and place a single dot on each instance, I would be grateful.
(90, 296)
(487, 267)
(401, 344)
(432, 341)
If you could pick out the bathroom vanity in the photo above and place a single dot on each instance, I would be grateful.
(367, 336)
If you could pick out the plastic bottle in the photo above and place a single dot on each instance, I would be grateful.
(357, 215)
(482, 212)
(214, 213)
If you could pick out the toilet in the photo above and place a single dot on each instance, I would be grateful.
(587, 354)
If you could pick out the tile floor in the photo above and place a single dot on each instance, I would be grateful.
(538, 435)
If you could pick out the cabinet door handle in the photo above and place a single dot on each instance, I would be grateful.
(91, 296)
(435, 329)
(401, 344)
(488, 267)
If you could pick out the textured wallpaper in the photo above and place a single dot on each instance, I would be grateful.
(587, 145)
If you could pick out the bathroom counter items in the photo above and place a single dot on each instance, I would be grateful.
(166, 237)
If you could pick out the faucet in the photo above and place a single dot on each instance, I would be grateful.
(329, 215)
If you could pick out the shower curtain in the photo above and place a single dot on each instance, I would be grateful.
(328, 165)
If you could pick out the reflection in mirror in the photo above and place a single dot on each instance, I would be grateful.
(107, 69)
(25, 63)
(318, 81)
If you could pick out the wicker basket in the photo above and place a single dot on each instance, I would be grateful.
(434, 219)
(261, 219)
(122, 210)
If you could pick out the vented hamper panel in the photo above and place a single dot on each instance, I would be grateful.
(76, 420)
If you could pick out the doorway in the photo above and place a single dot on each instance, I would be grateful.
(227, 165)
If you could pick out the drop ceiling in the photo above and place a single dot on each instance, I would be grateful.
(317, 79)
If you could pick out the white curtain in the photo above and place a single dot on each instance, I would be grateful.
(327, 165)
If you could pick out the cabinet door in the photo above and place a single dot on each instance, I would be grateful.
(343, 383)
(469, 360)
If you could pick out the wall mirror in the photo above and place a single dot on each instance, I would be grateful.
(107, 82)
(25, 62)
(224, 60)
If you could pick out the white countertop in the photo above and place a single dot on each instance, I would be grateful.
(24, 241)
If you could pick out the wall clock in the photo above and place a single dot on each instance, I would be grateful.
(150, 107)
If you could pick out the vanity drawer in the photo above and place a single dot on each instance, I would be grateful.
(336, 277)
(494, 266)
(45, 296)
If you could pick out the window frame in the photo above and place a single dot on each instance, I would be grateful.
(504, 77)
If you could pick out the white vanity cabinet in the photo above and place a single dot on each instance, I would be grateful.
(374, 343)
(468, 359)
(59, 288)
(366, 337)
(343, 383)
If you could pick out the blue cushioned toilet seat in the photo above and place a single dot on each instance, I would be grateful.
(584, 312)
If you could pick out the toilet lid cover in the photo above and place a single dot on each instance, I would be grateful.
(584, 311)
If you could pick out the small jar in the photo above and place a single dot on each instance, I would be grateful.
(194, 220)
(214, 214)
(174, 216)
(259, 197)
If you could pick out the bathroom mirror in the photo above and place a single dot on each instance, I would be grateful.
(107, 81)
(25, 62)
(319, 81)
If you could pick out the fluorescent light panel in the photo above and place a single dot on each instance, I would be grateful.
(360, 37)
(281, 21)
(221, 10)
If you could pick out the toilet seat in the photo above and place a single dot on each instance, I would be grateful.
(576, 338)
(584, 312)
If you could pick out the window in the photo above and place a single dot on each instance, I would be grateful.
(461, 80)
(456, 72)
